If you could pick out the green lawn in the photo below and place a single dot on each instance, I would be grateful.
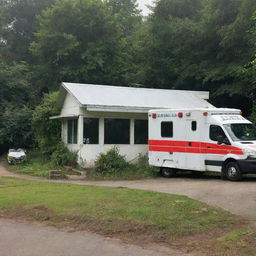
(34, 166)
(133, 214)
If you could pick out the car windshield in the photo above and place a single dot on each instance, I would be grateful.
(241, 132)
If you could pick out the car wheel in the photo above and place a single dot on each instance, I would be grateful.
(168, 172)
(233, 171)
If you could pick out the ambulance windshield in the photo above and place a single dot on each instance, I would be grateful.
(241, 132)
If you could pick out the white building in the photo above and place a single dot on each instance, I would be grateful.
(97, 117)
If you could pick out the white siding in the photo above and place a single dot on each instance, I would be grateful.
(70, 106)
(88, 153)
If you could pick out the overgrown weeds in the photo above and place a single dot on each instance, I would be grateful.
(112, 165)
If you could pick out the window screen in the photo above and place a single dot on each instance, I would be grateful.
(216, 131)
(193, 125)
(141, 131)
(72, 131)
(117, 131)
(91, 131)
(167, 129)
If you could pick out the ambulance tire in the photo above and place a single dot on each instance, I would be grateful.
(167, 172)
(233, 172)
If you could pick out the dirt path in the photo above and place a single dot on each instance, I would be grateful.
(236, 197)
(23, 239)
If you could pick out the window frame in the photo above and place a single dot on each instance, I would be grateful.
(74, 131)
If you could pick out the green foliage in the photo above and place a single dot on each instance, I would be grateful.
(62, 156)
(47, 131)
(16, 127)
(143, 168)
(110, 162)
(35, 165)
(112, 165)
(201, 45)
(186, 44)
(14, 85)
(15, 112)
(17, 27)
(87, 49)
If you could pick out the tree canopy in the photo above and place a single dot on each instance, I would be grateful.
(183, 44)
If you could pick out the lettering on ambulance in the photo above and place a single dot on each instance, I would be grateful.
(196, 147)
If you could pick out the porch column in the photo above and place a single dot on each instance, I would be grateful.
(80, 130)
(132, 131)
(101, 131)
(64, 130)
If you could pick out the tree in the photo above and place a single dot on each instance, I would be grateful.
(17, 27)
(201, 45)
(79, 41)
(47, 131)
(15, 112)
(16, 129)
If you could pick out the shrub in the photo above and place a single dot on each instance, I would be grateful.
(62, 156)
(110, 162)
(112, 165)
(142, 166)
(47, 130)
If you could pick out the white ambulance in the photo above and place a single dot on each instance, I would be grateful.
(209, 139)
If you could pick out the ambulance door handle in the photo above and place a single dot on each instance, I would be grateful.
(190, 144)
(208, 146)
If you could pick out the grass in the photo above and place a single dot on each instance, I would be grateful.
(132, 172)
(131, 214)
(34, 166)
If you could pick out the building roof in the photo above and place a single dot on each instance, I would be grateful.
(129, 99)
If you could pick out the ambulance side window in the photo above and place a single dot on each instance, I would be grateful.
(167, 129)
(193, 125)
(216, 131)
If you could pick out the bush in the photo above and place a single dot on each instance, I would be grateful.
(110, 162)
(47, 130)
(62, 156)
(112, 165)
(142, 166)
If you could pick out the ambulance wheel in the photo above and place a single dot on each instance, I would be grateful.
(167, 172)
(233, 172)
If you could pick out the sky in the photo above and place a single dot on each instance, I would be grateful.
(142, 6)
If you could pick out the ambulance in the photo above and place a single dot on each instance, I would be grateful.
(204, 139)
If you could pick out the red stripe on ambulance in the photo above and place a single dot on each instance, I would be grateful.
(192, 147)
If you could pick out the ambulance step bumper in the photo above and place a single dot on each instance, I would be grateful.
(247, 165)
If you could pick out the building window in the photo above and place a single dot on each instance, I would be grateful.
(117, 131)
(91, 131)
(72, 131)
(141, 131)
(167, 129)
(193, 125)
